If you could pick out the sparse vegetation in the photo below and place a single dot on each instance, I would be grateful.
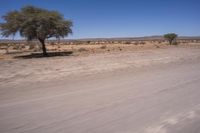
(82, 50)
(127, 42)
(88, 42)
(31, 46)
(142, 42)
(103, 47)
(12, 48)
(136, 43)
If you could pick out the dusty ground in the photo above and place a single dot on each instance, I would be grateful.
(19, 71)
(134, 91)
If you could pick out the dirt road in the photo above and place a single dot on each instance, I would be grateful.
(159, 97)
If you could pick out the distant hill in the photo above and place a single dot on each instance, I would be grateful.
(136, 38)
(146, 38)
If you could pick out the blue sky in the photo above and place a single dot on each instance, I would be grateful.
(121, 18)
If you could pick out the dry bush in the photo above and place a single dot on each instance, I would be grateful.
(88, 42)
(103, 47)
(77, 43)
(82, 49)
(142, 42)
(120, 48)
(3, 44)
(23, 46)
(31, 46)
(35, 47)
(52, 43)
(16, 47)
(127, 42)
(136, 43)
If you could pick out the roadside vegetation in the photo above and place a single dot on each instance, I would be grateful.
(171, 38)
(36, 23)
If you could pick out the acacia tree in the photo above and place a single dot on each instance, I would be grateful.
(35, 23)
(171, 37)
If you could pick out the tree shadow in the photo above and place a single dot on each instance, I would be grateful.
(40, 55)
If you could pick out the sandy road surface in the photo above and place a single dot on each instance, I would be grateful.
(161, 97)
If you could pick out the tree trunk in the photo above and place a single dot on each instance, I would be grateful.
(42, 41)
(170, 42)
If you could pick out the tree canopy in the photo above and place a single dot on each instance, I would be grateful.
(171, 37)
(35, 23)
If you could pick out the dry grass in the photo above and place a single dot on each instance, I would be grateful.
(8, 51)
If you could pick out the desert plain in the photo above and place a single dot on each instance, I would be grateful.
(118, 87)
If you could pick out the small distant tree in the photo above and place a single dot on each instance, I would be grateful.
(35, 23)
(171, 37)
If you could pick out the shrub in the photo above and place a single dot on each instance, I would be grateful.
(88, 42)
(103, 47)
(31, 46)
(142, 42)
(127, 42)
(82, 50)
